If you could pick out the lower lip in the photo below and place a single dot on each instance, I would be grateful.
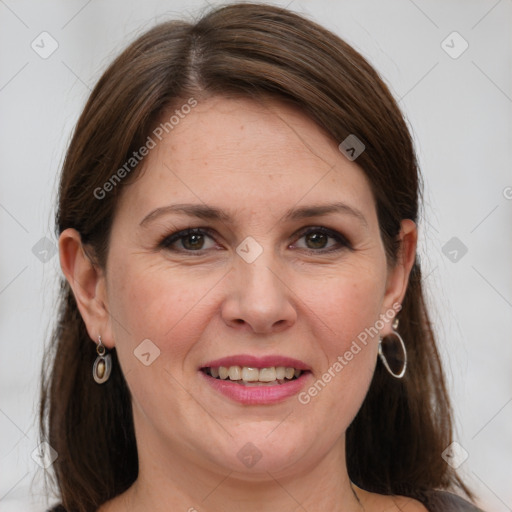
(257, 395)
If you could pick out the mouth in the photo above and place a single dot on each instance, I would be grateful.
(251, 380)
(251, 376)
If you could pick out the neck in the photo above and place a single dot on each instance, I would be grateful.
(169, 480)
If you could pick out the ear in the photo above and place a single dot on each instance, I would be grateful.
(398, 275)
(88, 284)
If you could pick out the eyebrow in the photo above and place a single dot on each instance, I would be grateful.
(206, 212)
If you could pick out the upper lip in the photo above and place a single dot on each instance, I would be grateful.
(257, 362)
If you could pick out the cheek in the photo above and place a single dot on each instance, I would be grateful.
(159, 304)
(347, 307)
(346, 302)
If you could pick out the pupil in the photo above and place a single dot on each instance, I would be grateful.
(195, 239)
(317, 240)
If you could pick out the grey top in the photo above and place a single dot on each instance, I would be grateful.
(444, 501)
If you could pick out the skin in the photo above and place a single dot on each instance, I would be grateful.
(255, 162)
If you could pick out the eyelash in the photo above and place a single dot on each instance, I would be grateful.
(342, 242)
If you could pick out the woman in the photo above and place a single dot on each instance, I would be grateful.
(242, 324)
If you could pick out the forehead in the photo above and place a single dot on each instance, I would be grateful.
(229, 150)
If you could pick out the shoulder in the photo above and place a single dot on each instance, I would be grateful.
(389, 502)
(444, 501)
(423, 501)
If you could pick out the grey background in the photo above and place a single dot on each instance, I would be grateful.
(459, 110)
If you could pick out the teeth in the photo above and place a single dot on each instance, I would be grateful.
(248, 374)
(235, 373)
(267, 374)
(289, 373)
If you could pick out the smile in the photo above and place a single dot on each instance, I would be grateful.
(251, 380)
(250, 376)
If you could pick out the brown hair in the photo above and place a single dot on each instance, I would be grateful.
(394, 445)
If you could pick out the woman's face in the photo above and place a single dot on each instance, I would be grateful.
(286, 269)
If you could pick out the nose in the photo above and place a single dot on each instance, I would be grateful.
(259, 299)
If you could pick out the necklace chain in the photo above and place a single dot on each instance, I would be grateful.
(357, 497)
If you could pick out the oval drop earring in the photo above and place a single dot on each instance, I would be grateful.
(102, 365)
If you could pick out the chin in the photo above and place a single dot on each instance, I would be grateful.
(261, 448)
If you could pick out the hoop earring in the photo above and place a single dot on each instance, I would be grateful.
(103, 364)
(393, 354)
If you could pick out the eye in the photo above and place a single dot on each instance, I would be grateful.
(316, 239)
(187, 240)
